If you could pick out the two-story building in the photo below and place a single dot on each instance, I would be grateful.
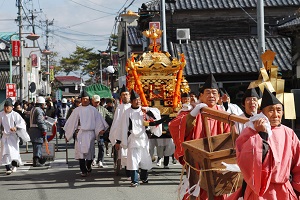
(70, 86)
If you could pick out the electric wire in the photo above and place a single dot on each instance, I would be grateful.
(91, 8)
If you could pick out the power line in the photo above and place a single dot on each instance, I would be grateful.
(79, 34)
(100, 5)
(90, 7)
(78, 39)
(118, 17)
(83, 22)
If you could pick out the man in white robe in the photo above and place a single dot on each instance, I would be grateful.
(89, 123)
(115, 135)
(13, 126)
(227, 105)
(135, 140)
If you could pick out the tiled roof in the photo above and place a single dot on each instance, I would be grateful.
(237, 55)
(4, 56)
(217, 4)
(4, 78)
(4, 53)
(133, 38)
(63, 79)
(292, 23)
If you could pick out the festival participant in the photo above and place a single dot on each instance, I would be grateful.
(250, 104)
(135, 139)
(186, 103)
(76, 103)
(89, 123)
(37, 131)
(227, 105)
(61, 116)
(12, 126)
(189, 126)
(268, 154)
(111, 108)
(115, 134)
(193, 97)
(108, 118)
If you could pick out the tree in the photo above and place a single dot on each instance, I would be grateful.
(80, 59)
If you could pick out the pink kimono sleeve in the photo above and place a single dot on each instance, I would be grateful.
(249, 158)
(295, 168)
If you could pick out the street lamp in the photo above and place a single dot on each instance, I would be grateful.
(128, 17)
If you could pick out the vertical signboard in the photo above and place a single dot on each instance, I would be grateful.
(11, 90)
(28, 65)
(34, 60)
(15, 51)
(155, 25)
(51, 78)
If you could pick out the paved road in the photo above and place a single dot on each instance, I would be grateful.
(58, 180)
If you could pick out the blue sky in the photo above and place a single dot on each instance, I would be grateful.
(86, 23)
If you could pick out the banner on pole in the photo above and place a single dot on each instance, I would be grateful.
(34, 60)
(11, 90)
(28, 65)
(15, 48)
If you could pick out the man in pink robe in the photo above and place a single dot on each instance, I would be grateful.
(189, 126)
(269, 160)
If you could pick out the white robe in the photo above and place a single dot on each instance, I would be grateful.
(10, 140)
(137, 142)
(235, 109)
(91, 123)
(165, 146)
(115, 130)
(240, 126)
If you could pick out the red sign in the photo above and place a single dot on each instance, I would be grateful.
(11, 90)
(15, 48)
(34, 60)
(155, 25)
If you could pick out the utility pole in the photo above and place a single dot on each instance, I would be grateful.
(19, 5)
(164, 25)
(47, 53)
(260, 30)
(32, 22)
(112, 74)
(100, 70)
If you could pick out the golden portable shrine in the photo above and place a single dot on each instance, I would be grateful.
(157, 77)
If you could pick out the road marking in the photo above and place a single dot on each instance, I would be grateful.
(23, 169)
(58, 164)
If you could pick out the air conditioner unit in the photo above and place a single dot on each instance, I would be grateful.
(183, 34)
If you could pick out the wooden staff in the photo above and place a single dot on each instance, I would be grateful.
(46, 146)
(225, 115)
(67, 158)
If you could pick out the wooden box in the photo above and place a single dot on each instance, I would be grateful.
(206, 154)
